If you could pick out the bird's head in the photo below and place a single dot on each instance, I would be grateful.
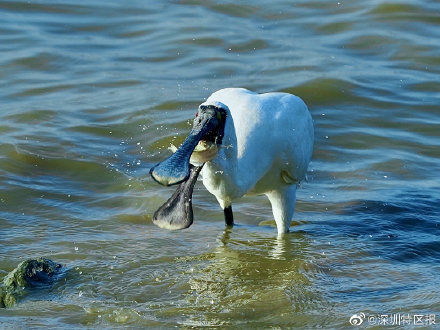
(210, 120)
(202, 143)
(200, 146)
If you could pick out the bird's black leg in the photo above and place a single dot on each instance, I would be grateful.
(229, 217)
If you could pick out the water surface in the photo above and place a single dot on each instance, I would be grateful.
(93, 93)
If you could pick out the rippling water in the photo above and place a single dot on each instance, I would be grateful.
(92, 94)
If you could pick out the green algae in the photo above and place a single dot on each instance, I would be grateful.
(7, 299)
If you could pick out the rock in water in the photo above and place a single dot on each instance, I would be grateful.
(7, 299)
(30, 273)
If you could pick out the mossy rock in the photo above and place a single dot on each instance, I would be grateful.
(7, 299)
(30, 273)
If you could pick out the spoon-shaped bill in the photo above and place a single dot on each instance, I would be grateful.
(175, 169)
(177, 211)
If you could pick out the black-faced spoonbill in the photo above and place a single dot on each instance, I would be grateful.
(243, 143)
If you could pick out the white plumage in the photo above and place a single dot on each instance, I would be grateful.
(266, 148)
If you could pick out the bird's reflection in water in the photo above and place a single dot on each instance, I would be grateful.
(225, 237)
(279, 247)
(253, 273)
(275, 252)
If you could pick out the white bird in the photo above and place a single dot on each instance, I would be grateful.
(243, 143)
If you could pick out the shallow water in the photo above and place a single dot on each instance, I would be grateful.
(91, 96)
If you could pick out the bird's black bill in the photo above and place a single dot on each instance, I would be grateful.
(175, 169)
(177, 212)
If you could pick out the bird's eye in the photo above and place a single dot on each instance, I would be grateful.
(197, 114)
